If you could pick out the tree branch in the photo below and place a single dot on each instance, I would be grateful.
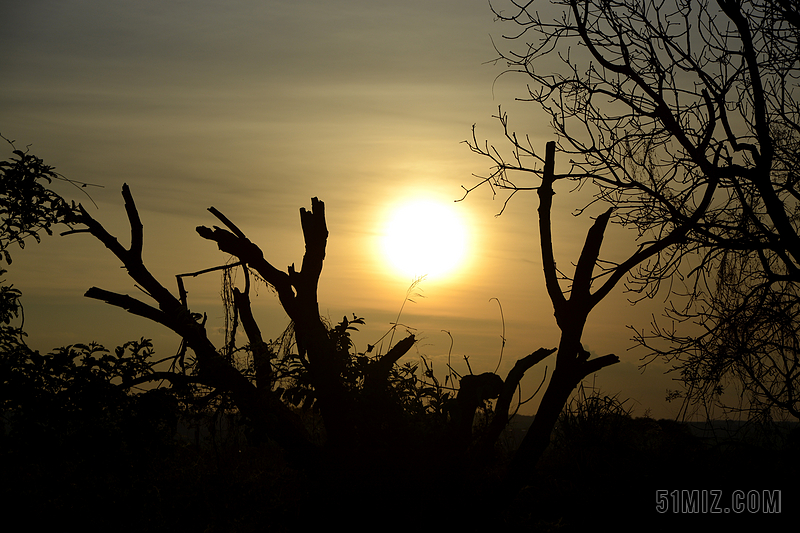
(546, 193)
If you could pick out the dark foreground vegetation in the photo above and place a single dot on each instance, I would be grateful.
(134, 466)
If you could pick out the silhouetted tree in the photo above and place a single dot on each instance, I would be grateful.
(683, 117)
(572, 360)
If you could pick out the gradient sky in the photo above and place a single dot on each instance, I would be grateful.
(256, 106)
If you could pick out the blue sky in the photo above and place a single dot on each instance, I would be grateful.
(256, 106)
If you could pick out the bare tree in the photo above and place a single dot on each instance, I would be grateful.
(318, 349)
(683, 117)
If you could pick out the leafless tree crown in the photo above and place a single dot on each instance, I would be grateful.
(684, 117)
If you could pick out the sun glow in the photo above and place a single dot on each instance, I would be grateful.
(425, 238)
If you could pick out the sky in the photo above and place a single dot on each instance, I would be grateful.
(255, 107)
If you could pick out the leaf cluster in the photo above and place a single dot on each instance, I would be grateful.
(27, 205)
(79, 391)
(10, 306)
(405, 389)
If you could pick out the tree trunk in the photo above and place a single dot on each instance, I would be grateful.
(572, 361)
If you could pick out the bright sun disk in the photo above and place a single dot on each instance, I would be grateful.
(425, 237)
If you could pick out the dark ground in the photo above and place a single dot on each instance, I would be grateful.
(607, 480)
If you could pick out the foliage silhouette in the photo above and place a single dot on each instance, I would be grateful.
(27, 206)
(75, 391)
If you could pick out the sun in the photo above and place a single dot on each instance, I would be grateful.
(425, 238)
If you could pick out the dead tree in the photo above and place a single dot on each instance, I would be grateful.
(297, 291)
(573, 362)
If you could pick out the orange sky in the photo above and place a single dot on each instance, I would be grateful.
(255, 107)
